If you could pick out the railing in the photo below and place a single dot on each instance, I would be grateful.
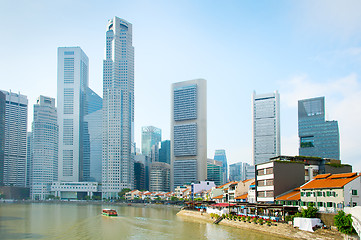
(356, 225)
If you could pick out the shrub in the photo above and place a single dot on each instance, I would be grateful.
(248, 219)
(260, 221)
(243, 218)
(343, 223)
(254, 220)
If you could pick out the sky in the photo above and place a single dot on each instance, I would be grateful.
(303, 49)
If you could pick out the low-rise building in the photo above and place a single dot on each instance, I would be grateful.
(74, 190)
(332, 192)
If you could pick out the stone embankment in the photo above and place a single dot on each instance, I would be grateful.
(282, 229)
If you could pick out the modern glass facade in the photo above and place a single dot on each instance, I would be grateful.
(2, 135)
(93, 122)
(220, 155)
(317, 137)
(266, 127)
(215, 171)
(188, 132)
(164, 152)
(44, 148)
(159, 177)
(150, 136)
(16, 119)
(118, 109)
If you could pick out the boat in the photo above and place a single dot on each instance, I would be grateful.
(109, 212)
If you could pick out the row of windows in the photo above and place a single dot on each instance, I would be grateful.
(185, 140)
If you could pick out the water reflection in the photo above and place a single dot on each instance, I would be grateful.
(77, 221)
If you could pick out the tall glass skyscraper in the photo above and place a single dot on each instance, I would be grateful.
(215, 171)
(220, 155)
(164, 152)
(118, 109)
(188, 132)
(265, 127)
(73, 78)
(2, 136)
(150, 136)
(93, 122)
(44, 148)
(16, 119)
(318, 137)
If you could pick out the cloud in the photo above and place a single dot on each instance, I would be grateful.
(338, 18)
(343, 103)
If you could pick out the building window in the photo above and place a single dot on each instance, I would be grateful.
(329, 204)
(354, 192)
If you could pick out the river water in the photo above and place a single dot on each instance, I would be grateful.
(80, 221)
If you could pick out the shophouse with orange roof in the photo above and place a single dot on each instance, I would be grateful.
(332, 192)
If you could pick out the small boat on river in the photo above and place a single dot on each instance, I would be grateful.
(109, 212)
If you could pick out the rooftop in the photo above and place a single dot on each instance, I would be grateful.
(330, 181)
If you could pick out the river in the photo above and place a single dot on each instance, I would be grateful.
(84, 221)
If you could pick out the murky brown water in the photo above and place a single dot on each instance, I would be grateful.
(77, 221)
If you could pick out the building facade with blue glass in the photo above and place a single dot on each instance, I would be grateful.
(188, 132)
(317, 137)
(220, 155)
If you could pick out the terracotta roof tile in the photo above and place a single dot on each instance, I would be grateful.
(244, 196)
(320, 176)
(218, 197)
(329, 182)
(292, 196)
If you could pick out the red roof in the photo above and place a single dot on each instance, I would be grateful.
(332, 181)
(218, 197)
(244, 196)
(295, 195)
(223, 204)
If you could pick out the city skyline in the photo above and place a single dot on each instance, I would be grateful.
(298, 51)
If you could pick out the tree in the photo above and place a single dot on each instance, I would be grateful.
(123, 192)
(173, 199)
(310, 212)
(343, 223)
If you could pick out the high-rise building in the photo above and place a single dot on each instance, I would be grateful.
(93, 122)
(150, 136)
(44, 148)
(164, 152)
(220, 155)
(215, 171)
(139, 174)
(241, 171)
(16, 119)
(2, 135)
(188, 132)
(73, 78)
(159, 177)
(29, 158)
(118, 109)
(266, 126)
(318, 137)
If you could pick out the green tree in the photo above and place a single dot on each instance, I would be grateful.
(174, 199)
(343, 223)
(123, 192)
(310, 212)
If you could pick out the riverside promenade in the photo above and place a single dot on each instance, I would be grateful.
(282, 229)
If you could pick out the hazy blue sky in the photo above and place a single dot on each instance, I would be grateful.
(300, 48)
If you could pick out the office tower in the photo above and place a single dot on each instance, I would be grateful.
(2, 136)
(93, 123)
(150, 136)
(118, 109)
(16, 119)
(220, 155)
(266, 127)
(188, 132)
(139, 175)
(159, 177)
(29, 159)
(318, 137)
(241, 171)
(164, 152)
(44, 148)
(72, 84)
(215, 171)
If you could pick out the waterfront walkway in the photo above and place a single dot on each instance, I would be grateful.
(282, 229)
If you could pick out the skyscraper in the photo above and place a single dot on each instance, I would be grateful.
(150, 136)
(93, 123)
(72, 84)
(188, 132)
(164, 152)
(16, 119)
(318, 138)
(159, 177)
(220, 155)
(2, 135)
(118, 109)
(266, 127)
(215, 171)
(44, 148)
